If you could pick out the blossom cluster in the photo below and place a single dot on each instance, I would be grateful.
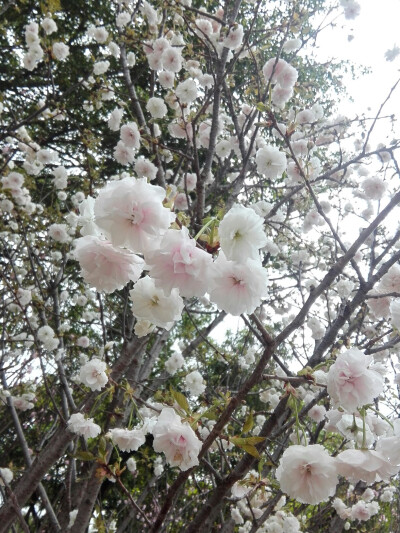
(129, 219)
(140, 232)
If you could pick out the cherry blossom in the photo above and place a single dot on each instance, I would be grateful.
(237, 287)
(152, 304)
(270, 161)
(176, 440)
(6, 475)
(127, 440)
(307, 473)
(241, 233)
(104, 267)
(85, 427)
(351, 383)
(130, 213)
(93, 374)
(365, 465)
(178, 263)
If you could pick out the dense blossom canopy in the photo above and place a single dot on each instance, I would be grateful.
(199, 270)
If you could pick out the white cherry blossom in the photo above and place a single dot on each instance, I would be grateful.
(93, 374)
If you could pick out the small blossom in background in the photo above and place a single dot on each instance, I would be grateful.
(83, 426)
(59, 232)
(174, 363)
(131, 465)
(93, 374)
(156, 107)
(6, 475)
(195, 383)
(60, 51)
(128, 440)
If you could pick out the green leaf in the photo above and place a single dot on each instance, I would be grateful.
(261, 107)
(210, 414)
(292, 403)
(247, 444)
(84, 456)
(241, 441)
(181, 400)
(252, 450)
(249, 423)
(102, 447)
(254, 440)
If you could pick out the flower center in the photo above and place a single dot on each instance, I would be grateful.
(137, 215)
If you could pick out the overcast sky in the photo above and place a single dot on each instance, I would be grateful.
(365, 41)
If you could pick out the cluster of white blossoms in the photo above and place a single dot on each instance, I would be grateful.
(283, 76)
(82, 426)
(35, 54)
(46, 335)
(175, 439)
(128, 230)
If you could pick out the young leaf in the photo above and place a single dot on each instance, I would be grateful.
(249, 423)
(181, 400)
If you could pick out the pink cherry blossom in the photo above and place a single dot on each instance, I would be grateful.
(177, 441)
(234, 39)
(279, 71)
(124, 154)
(179, 263)
(272, 68)
(131, 214)
(365, 465)
(237, 287)
(180, 202)
(172, 59)
(104, 267)
(130, 135)
(380, 307)
(390, 282)
(307, 473)
(390, 447)
(351, 384)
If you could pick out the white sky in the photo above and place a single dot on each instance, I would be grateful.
(374, 31)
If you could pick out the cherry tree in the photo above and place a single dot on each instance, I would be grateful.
(200, 273)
